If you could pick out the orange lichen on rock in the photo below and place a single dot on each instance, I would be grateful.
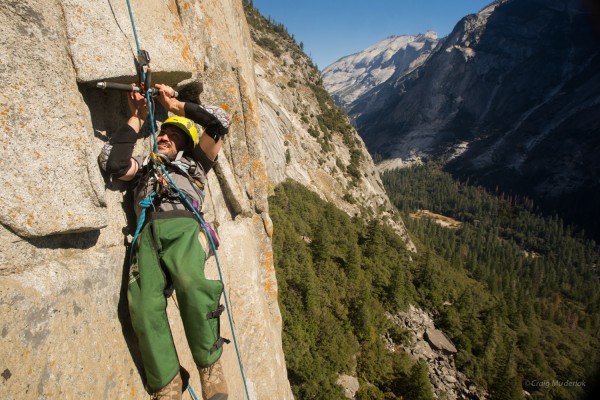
(172, 6)
(185, 52)
(259, 172)
(268, 266)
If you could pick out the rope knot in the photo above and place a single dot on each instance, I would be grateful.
(147, 201)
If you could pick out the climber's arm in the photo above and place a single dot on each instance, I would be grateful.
(116, 155)
(214, 120)
(216, 125)
(209, 147)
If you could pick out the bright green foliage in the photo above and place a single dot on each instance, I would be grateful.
(332, 118)
(369, 392)
(505, 385)
(270, 45)
(354, 166)
(418, 385)
(337, 277)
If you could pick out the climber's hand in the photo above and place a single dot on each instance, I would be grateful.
(166, 97)
(138, 107)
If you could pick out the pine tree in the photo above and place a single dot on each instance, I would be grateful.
(418, 385)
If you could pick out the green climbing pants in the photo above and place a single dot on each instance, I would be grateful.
(168, 250)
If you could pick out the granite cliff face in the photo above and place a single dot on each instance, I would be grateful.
(509, 98)
(64, 326)
(306, 137)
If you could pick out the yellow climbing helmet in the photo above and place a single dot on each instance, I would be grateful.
(185, 124)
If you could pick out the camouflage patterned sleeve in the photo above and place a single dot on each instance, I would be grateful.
(103, 156)
(214, 119)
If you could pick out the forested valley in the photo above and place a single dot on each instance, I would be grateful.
(515, 290)
(530, 315)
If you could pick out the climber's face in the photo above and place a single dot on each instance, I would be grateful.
(170, 140)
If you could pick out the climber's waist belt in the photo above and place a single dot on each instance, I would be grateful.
(154, 215)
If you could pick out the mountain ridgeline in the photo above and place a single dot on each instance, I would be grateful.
(352, 76)
(508, 99)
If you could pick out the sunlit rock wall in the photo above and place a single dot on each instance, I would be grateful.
(64, 326)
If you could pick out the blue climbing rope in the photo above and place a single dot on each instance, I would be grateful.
(149, 200)
(142, 72)
(144, 204)
(137, 42)
(192, 393)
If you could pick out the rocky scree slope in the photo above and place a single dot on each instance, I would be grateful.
(429, 344)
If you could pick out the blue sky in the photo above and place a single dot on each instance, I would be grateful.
(331, 29)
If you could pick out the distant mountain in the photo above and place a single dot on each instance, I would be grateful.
(350, 77)
(510, 99)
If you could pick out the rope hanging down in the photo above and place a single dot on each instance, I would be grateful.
(144, 73)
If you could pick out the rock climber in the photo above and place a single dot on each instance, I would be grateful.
(171, 248)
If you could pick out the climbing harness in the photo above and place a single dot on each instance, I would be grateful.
(144, 87)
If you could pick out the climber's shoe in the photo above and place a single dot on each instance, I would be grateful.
(172, 391)
(214, 386)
